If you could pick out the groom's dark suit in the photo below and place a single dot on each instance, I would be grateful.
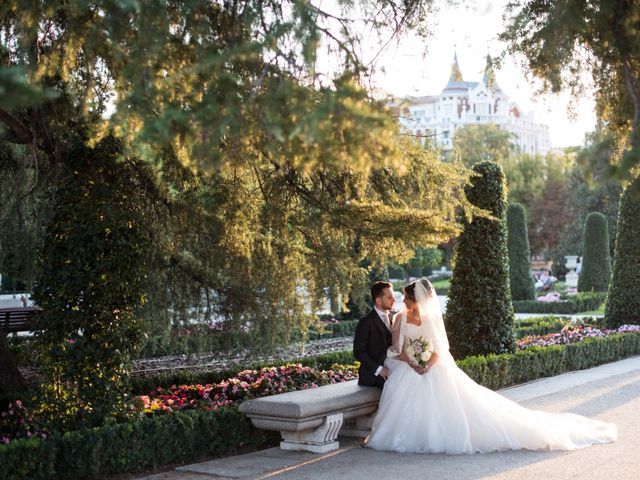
(370, 343)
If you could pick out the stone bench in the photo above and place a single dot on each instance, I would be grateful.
(311, 420)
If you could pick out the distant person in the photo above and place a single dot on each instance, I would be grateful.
(545, 281)
(23, 300)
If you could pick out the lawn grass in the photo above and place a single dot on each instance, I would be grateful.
(443, 283)
(599, 311)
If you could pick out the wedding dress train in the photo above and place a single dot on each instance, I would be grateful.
(445, 411)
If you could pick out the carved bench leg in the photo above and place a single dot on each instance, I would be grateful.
(359, 427)
(319, 440)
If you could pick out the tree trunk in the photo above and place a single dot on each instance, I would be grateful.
(11, 380)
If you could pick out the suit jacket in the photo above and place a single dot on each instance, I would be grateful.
(370, 344)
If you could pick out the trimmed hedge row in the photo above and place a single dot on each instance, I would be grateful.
(129, 447)
(582, 302)
(498, 371)
(538, 326)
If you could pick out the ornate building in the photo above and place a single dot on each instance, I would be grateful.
(465, 103)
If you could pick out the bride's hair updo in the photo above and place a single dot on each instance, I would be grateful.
(410, 290)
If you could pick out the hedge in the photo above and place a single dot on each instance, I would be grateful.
(539, 326)
(129, 447)
(479, 317)
(596, 261)
(582, 302)
(498, 371)
(623, 303)
(522, 284)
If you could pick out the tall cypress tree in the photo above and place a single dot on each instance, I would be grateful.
(522, 286)
(596, 261)
(479, 317)
(623, 300)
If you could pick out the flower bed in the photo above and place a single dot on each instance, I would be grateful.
(245, 385)
(572, 334)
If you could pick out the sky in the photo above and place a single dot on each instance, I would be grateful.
(471, 29)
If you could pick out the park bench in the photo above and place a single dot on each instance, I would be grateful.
(17, 319)
(311, 420)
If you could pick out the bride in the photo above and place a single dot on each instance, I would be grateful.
(438, 408)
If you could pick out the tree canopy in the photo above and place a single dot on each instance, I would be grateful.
(270, 176)
(566, 42)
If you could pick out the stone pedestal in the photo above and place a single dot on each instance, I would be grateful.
(319, 440)
(571, 279)
(358, 427)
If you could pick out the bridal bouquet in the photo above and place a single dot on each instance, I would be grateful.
(420, 349)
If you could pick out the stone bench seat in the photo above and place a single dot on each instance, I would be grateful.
(311, 420)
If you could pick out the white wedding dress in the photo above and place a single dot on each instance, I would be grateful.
(445, 411)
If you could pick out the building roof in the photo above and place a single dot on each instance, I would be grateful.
(423, 99)
(459, 86)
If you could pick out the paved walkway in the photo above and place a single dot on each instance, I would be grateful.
(609, 392)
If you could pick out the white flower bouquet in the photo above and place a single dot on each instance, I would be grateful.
(420, 350)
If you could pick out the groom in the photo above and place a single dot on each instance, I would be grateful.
(373, 337)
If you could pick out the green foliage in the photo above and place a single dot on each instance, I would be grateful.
(479, 315)
(21, 182)
(481, 143)
(565, 40)
(596, 262)
(582, 302)
(522, 286)
(128, 447)
(539, 326)
(423, 262)
(499, 371)
(623, 300)
(91, 286)
(586, 188)
(269, 178)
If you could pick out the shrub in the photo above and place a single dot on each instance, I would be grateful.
(522, 285)
(539, 326)
(479, 317)
(345, 328)
(623, 301)
(596, 262)
(498, 371)
(128, 447)
(396, 271)
(93, 266)
(582, 302)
